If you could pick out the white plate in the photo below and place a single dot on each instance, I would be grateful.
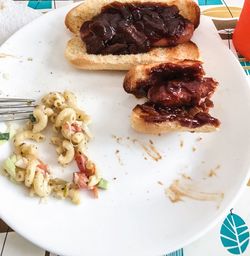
(134, 217)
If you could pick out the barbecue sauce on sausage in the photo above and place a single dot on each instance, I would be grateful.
(131, 28)
(176, 92)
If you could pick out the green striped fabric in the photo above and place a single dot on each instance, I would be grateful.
(176, 253)
(245, 64)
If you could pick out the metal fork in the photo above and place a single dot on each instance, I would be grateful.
(12, 109)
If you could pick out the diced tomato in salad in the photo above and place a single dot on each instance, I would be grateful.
(81, 161)
(95, 192)
(42, 166)
(76, 127)
(80, 179)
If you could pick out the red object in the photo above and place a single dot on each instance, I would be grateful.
(81, 161)
(43, 167)
(80, 179)
(241, 36)
(76, 128)
(73, 127)
(95, 192)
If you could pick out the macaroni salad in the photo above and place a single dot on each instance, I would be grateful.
(69, 124)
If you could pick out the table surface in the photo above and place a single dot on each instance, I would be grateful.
(12, 244)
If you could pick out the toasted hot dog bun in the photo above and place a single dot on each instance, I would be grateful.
(139, 124)
(77, 55)
(146, 118)
(141, 73)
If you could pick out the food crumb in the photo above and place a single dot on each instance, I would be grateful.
(185, 176)
(148, 148)
(29, 59)
(193, 149)
(118, 139)
(181, 143)
(213, 172)
(160, 183)
(199, 139)
(117, 153)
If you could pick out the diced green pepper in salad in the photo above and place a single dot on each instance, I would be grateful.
(4, 136)
(7, 135)
(9, 166)
(103, 184)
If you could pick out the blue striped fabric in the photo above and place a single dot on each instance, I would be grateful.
(246, 66)
(176, 253)
(210, 2)
(40, 4)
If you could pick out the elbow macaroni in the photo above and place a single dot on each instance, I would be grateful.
(70, 124)
(66, 115)
(30, 172)
(20, 175)
(68, 148)
(41, 119)
(27, 135)
(77, 138)
(28, 150)
(41, 184)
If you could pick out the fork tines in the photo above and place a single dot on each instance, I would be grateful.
(12, 109)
